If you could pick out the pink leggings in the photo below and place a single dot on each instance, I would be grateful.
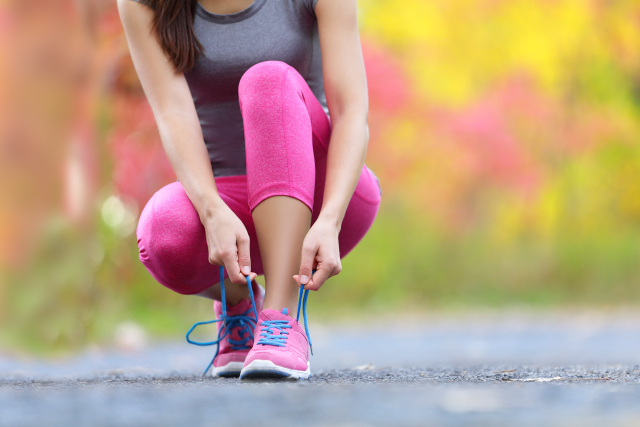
(286, 138)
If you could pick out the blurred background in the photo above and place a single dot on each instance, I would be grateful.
(505, 133)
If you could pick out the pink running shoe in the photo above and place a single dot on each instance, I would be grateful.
(235, 331)
(233, 350)
(282, 347)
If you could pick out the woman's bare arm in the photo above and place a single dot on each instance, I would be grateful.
(345, 84)
(181, 134)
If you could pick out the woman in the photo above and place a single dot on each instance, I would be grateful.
(268, 183)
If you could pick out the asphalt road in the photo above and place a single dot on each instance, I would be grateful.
(508, 369)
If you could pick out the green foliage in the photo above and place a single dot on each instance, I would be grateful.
(404, 265)
(75, 294)
(78, 287)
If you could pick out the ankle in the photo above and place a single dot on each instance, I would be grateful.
(234, 301)
(279, 305)
(235, 294)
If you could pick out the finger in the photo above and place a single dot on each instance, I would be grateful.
(337, 269)
(306, 263)
(244, 254)
(213, 259)
(319, 277)
(230, 261)
(296, 277)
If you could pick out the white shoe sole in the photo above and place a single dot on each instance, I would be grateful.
(268, 369)
(231, 369)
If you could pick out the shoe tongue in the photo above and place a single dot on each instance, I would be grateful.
(270, 314)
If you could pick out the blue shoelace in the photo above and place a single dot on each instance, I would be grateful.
(246, 323)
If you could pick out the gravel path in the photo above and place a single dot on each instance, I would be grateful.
(507, 370)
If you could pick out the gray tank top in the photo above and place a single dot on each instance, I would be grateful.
(282, 30)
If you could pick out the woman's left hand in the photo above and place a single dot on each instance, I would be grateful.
(320, 252)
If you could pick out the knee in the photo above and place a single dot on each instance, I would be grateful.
(262, 81)
(157, 246)
(168, 229)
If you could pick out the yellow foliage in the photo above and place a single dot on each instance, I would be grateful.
(455, 50)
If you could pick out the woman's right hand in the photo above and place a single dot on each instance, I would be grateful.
(228, 242)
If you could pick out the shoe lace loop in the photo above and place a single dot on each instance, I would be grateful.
(244, 322)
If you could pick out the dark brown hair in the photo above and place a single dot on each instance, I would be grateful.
(173, 25)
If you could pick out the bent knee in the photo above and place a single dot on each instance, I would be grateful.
(168, 211)
(171, 240)
(263, 78)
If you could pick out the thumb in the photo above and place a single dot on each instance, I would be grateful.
(244, 254)
(306, 264)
